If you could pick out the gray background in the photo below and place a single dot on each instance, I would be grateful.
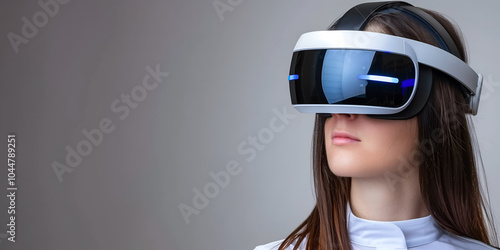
(227, 75)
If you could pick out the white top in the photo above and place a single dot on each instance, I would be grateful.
(417, 234)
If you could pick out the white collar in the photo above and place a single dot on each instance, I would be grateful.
(392, 234)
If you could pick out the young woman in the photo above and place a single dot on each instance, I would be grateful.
(397, 182)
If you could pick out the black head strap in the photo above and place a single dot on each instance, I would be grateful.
(357, 17)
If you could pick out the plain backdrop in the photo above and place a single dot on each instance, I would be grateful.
(226, 85)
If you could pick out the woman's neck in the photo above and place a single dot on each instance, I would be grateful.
(387, 199)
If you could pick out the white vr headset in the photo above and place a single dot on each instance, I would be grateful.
(361, 72)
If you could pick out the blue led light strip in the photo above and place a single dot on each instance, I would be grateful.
(293, 77)
(378, 78)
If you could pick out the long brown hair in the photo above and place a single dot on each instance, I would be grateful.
(447, 174)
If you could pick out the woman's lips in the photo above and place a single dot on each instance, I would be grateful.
(343, 138)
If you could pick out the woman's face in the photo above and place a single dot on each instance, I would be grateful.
(360, 146)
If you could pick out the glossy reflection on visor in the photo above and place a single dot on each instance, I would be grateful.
(357, 77)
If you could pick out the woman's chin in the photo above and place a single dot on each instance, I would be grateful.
(356, 170)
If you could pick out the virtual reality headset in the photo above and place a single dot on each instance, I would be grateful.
(346, 70)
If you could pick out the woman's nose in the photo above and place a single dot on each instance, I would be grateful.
(345, 116)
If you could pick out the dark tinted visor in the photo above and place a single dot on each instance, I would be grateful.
(356, 77)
